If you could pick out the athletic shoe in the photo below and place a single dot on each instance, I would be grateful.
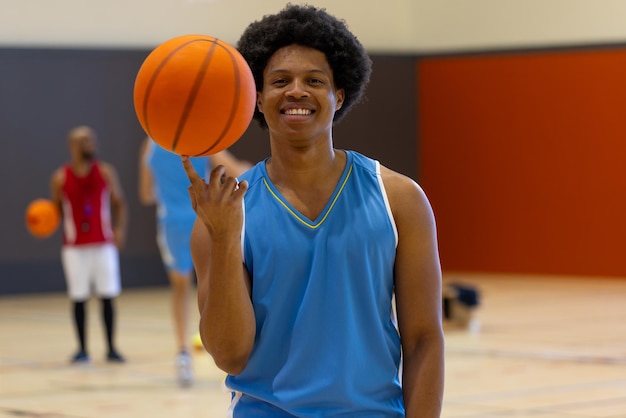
(115, 357)
(183, 368)
(80, 358)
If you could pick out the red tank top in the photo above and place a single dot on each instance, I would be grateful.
(86, 208)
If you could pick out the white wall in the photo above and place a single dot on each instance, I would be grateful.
(479, 24)
(389, 25)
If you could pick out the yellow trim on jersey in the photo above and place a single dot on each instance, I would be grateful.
(295, 215)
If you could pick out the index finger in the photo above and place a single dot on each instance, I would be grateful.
(190, 170)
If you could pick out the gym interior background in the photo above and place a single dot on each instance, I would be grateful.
(509, 116)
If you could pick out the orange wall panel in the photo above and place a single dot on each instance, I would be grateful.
(523, 156)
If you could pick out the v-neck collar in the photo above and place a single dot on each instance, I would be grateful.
(316, 223)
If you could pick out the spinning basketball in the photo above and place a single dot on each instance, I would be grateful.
(42, 218)
(195, 95)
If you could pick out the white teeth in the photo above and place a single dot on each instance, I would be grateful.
(299, 112)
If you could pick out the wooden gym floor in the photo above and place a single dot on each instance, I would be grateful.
(539, 347)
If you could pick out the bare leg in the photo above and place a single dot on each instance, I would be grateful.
(181, 289)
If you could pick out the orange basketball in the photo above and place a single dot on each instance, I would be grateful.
(195, 95)
(42, 218)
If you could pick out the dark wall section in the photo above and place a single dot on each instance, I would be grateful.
(383, 126)
(45, 92)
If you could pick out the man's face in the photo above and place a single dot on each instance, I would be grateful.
(83, 144)
(299, 97)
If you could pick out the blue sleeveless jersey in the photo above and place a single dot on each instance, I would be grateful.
(171, 182)
(175, 215)
(326, 343)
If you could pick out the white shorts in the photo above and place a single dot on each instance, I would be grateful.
(92, 268)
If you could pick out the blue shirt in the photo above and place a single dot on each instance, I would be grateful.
(326, 343)
(171, 182)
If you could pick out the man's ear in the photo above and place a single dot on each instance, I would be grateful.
(259, 102)
(340, 94)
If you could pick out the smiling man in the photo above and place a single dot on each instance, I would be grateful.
(300, 258)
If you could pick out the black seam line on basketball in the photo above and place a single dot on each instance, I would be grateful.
(233, 109)
(193, 93)
(144, 108)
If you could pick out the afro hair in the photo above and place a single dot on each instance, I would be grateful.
(311, 27)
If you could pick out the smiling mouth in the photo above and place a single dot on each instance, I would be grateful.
(297, 112)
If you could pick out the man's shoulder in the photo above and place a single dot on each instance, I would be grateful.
(362, 161)
(58, 175)
(253, 175)
(105, 167)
